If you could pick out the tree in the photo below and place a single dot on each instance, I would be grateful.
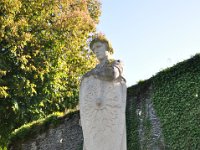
(43, 53)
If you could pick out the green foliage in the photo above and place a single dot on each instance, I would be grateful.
(176, 99)
(43, 53)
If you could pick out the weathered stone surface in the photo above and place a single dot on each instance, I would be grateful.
(150, 131)
(102, 109)
(66, 136)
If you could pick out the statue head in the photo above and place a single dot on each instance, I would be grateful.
(100, 38)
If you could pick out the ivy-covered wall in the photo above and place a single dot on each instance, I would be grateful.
(175, 93)
(176, 97)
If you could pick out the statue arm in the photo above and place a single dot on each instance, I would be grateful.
(110, 72)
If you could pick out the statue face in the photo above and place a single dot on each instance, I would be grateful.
(99, 49)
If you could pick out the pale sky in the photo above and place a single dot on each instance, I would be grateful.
(151, 35)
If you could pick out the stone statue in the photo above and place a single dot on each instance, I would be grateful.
(103, 101)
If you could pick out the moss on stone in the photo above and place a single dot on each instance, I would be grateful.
(33, 129)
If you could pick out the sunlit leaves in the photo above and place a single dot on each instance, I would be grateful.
(43, 53)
